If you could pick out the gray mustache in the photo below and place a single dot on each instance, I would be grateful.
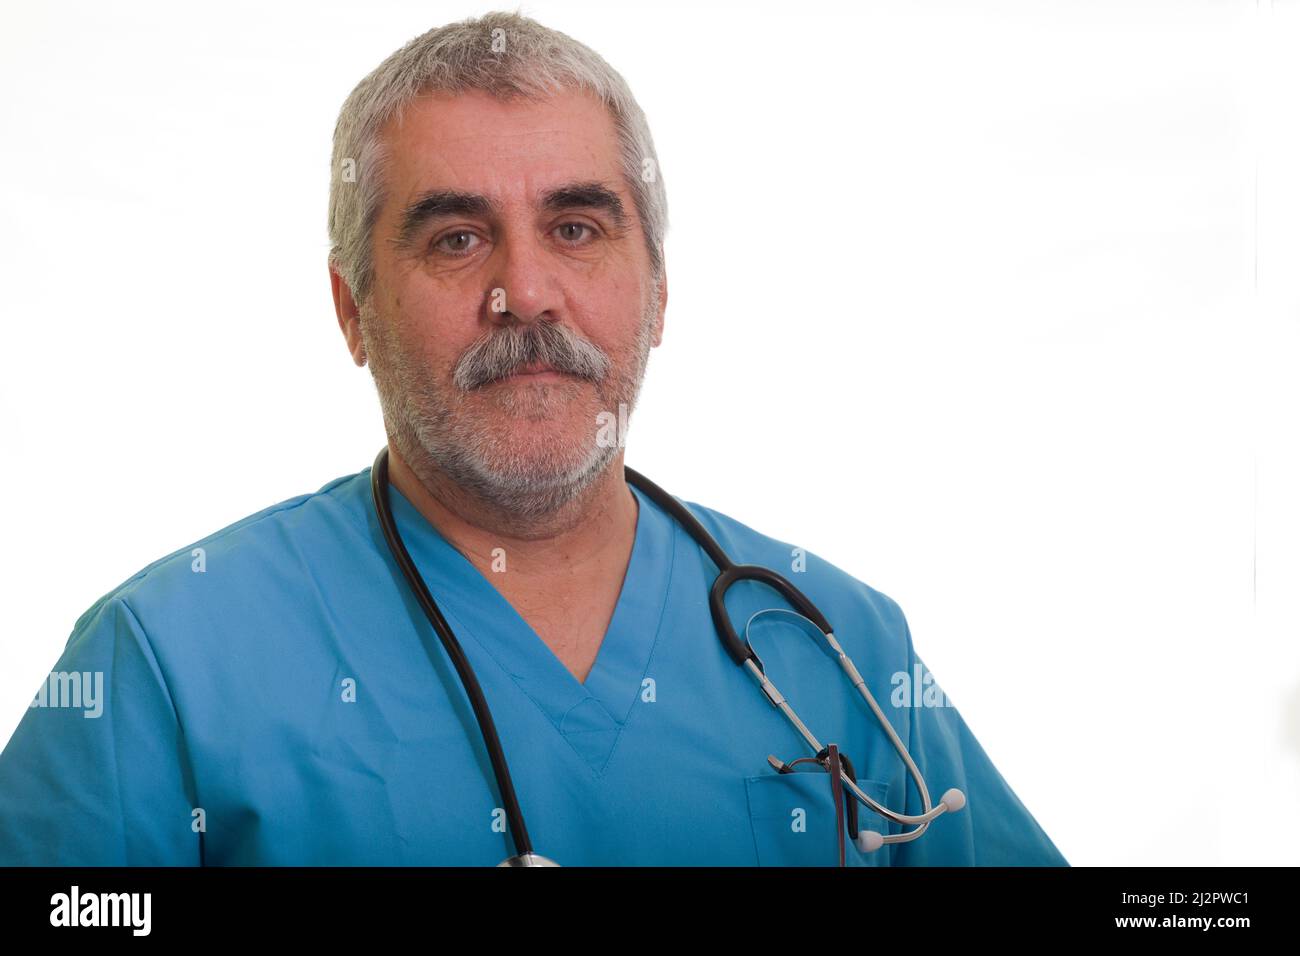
(502, 353)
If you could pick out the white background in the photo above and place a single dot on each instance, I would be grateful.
(994, 305)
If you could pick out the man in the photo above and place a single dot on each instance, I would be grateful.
(272, 694)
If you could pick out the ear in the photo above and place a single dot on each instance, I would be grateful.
(349, 316)
(663, 306)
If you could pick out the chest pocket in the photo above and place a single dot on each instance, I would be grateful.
(793, 819)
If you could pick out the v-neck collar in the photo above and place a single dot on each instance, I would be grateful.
(589, 715)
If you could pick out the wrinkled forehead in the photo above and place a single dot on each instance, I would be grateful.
(511, 151)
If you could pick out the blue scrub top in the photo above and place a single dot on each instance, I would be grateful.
(278, 698)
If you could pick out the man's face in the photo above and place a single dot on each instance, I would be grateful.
(508, 240)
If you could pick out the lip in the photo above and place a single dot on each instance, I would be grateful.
(537, 370)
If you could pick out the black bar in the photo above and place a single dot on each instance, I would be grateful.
(493, 905)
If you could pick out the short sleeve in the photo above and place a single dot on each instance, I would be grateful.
(994, 828)
(96, 773)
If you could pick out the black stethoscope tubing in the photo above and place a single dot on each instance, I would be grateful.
(729, 574)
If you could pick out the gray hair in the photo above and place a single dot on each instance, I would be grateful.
(507, 55)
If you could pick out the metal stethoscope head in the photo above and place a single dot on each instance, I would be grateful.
(528, 859)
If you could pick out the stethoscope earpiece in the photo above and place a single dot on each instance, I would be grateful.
(868, 841)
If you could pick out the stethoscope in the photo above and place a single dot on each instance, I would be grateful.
(739, 649)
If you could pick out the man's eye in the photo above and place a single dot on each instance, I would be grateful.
(569, 237)
(462, 242)
(458, 243)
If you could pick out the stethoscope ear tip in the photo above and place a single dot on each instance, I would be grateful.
(868, 841)
(953, 799)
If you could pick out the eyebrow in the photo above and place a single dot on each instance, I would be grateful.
(440, 203)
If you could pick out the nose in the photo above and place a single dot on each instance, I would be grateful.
(524, 288)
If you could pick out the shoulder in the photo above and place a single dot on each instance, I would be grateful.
(257, 543)
(852, 606)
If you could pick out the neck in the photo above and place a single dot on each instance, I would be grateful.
(584, 532)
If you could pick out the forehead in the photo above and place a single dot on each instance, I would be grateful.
(506, 150)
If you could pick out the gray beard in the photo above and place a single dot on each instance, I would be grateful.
(432, 437)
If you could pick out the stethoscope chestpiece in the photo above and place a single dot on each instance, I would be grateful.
(528, 859)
